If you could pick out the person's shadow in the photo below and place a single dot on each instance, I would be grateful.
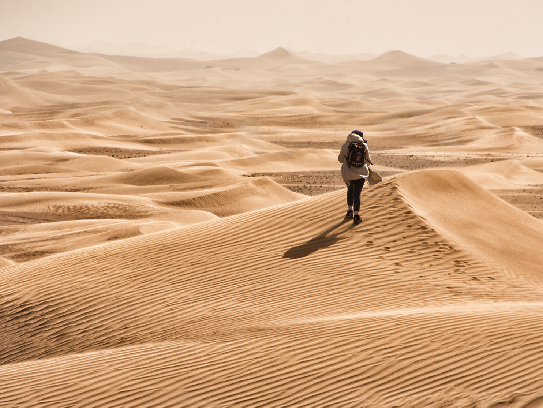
(323, 240)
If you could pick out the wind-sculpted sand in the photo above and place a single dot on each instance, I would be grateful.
(156, 248)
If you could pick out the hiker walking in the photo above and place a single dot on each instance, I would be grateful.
(354, 156)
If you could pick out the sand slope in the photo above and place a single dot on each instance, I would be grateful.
(303, 311)
(505, 174)
(454, 205)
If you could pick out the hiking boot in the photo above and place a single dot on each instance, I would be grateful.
(349, 214)
(356, 219)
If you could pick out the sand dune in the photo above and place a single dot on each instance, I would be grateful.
(38, 240)
(172, 232)
(153, 176)
(230, 200)
(74, 205)
(505, 174)
(510, 140)
(24, 46)
(14, 95)
(302, 159)
(445, 204)
(400, 59)
(273, 304)
(34, 169)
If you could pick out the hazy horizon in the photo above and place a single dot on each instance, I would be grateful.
(474, 28)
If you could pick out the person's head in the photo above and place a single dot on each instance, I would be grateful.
(359, 134)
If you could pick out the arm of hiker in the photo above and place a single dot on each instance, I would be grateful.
(368, 157)
(342, 154)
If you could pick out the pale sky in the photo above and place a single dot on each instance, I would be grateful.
(421, 27)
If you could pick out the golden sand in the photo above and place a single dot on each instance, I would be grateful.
(156, 250)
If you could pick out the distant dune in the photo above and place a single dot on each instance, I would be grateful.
(172, 231)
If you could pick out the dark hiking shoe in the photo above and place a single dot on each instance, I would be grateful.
(356, 219)
(349, 214)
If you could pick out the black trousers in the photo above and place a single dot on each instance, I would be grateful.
(353, 193)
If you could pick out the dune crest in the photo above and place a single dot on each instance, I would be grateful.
(456, 206)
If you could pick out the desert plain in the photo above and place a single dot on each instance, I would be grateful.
(172, 232)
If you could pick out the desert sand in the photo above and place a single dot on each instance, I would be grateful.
(172, 232)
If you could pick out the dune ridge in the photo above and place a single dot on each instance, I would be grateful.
(443, 203)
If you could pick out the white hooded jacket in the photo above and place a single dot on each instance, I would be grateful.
(353, 173)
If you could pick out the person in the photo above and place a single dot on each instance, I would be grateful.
(353, 176)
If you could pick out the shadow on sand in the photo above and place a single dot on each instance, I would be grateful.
(325, 239)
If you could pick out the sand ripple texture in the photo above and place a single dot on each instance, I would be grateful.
(288, 306)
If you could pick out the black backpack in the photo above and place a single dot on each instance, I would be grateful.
(357, 154)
